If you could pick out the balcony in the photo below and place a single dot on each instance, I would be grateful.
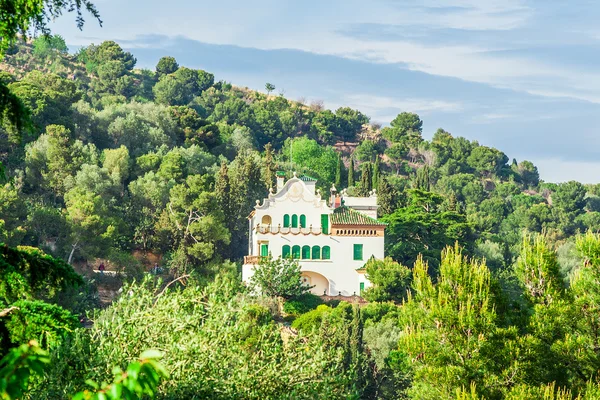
(279, 230)
(252, 259)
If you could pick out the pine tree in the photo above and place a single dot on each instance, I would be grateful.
(339, 172)
(351, 172)
(269, 168)
(376, 172)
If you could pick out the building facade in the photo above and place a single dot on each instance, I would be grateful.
(332, 242)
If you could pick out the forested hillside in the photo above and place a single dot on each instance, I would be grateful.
(115, 159)
(490, 289)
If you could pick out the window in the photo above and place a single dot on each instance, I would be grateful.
(264, 250)
(362, 288)
(266, 220)
(325, 223)
(326, 255)
(358, 251)
(294, 221)
(286, 221)
(303, 221)
(285, 251)
(316, 252)
(306, 252)
(296, 252)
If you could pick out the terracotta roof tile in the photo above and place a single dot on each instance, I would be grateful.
(346, 216)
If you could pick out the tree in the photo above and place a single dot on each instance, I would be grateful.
(386, 197)
(421, 181)
(19, 17)
(269, 87)
(197, 222)
(456, 324)
(339, 172)
(396, 153)
(351, 172)
(309, 154)
(367, 150)
(269, 168)
(424, 228)
(376, 172)
(390, 280)
(487, 160)
(405, 128)
(166, 66)
(366, 179)
(45, 45)
(278, 278)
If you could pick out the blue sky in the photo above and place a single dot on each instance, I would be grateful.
(522, 76)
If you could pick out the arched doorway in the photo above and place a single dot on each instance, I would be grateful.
(320, 283)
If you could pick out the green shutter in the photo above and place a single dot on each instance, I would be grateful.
(264, 250)
(326, 255)
(362, 288)
(306, 252)
(303, 221)
(325, 223)
(286, 221)
(358, 251)
(296, 252)
(294, 221)
(285, 251)
(316, 253)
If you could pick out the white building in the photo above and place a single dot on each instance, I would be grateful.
(331, 242)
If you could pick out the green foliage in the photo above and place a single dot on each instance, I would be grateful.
(311, 320)
(278, 278)
(140, 379)
(166, 66)
(17, 367)
(423, 227)
(29, 273)
(390, 280)
(215, 334)
(45, 45)
(36, 320)
(302, 304)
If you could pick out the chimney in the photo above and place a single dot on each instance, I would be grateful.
(280, 179)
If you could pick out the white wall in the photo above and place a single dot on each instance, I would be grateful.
(340, 270)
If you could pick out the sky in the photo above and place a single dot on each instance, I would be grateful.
(518, 75)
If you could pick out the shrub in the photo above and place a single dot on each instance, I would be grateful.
(311, 320)
(302, 304)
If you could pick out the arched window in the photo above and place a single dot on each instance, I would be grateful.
(316, 252)
(266, 220)
(306, 252)
(286, 221)
(285, 251)
(296, 252)
(294, 221)
(303, 221)
(326, 253)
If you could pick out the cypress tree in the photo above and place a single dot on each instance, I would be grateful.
(385, 197)
(351, 172)
(339, 171)
(366, 179)
(376, 169)
(224, 199)
(422, 179)
(269, 170)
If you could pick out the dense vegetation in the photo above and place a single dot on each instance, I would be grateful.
(490, 289)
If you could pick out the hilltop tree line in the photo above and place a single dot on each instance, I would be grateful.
(488, 292)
